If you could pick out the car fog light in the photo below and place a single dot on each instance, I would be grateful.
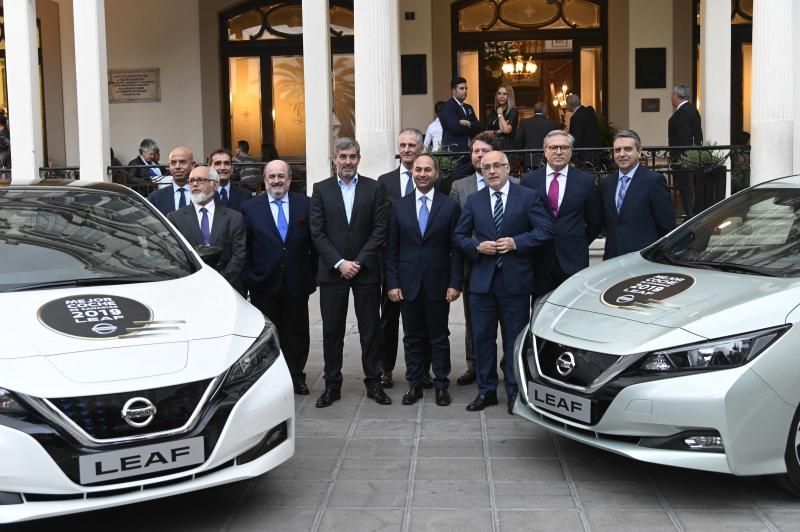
(704, 443)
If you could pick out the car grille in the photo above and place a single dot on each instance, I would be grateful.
(100, 416)
(589, 365)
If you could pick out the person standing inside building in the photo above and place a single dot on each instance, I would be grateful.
(459, 121)
(531, 133)
(504, 118)
(433, 135)
(584, 127)
(684, 129)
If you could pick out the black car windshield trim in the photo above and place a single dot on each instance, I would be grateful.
(89, 281)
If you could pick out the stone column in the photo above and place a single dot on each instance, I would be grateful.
(715, 47)
(91, 74)
(318, 90)
(377, 84)
(771, 152)
(24, 92)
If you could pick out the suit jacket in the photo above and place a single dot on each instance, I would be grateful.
(454, 135)
(579, 221)
(583, 126)
(141, 175)
(531, 132)
(684, 129)
(236, 197)
(462, 188)
(391, 185)
(360, 240)
(164, 199)
(270, 262)
(227, 233)
(646, 214)
(423, 265)
(524, 219)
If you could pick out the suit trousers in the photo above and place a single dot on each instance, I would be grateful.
(512, 311)
(388, 331)
(333, 302)
(546, 283)
(684, 182)
(290, 317)
(465, 301)
(426, 340)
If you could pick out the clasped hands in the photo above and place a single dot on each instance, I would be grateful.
(349, 269)
(500, 246)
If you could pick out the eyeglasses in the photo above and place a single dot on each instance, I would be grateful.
(492, 166)
(200, 180)
(559, 148)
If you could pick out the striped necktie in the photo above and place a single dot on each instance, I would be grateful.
(624, 181)
(498, 221)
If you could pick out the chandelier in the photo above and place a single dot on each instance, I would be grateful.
(560, 99)
(518, 68)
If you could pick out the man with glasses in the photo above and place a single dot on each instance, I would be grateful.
(574, 208)
(499, 229)
(207, 223)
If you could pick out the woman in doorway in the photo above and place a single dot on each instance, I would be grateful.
(503, 119)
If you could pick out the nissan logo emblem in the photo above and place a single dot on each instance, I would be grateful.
(565, 363)
(104, 328)
(138, 412)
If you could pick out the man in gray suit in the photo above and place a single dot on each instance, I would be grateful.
(482, 144)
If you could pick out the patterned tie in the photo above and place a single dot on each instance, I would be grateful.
(423, 215)
(552, 194)
(182, 201)
(498, 221)
(204, 230)
(283, 225)
(409, 184)
(224, 196)
(624, 181)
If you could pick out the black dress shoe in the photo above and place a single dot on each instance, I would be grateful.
(442, 397)
(427, 382)
(328, 397)
(481, 402)
(467, 378)
(413, 395)
(300, 387)
(379, 396)
(511, 400)
(386, 379)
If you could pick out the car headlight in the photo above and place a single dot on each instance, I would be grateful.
(9, 403)
(254, 362)
(715, 354)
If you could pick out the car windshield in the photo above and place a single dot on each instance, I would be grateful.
(756, 232)
(72, 237)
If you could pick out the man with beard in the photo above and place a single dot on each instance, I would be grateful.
(175, 196)
(207, 223)
(228, 194)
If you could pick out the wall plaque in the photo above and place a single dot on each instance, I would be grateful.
(134, 85)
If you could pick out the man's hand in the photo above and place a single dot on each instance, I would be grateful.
(505, 245)
(395, 295)
(488, 247)
(452, 294)
(465, 123)
(349, 269)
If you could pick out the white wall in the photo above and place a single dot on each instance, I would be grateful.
(416, 38)
(650, 26)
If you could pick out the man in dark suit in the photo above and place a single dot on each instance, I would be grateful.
(228, 194)
(207, 223)
(459, 122)
(149, 172)
(176, 195)
(499, 229)
(684, 129)
(584, 128)
(348, 226)
(281, 264)
(575, 210)
(424, 275)
(531, 133)
(637, 207)
(396, 184)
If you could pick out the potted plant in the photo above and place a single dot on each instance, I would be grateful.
(709, 170)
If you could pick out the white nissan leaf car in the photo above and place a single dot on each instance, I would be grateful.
(129, 369)
(686, 353)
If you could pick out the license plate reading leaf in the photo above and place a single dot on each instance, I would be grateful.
(144, 460)
(561, 403)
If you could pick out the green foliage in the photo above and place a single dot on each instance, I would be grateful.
(705, 160)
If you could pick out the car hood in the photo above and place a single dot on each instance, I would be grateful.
(708, 303)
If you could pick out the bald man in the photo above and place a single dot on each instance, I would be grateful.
(175, 196)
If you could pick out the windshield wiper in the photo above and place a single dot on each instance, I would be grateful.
(658, 253)
(90, 281)
(732, 267)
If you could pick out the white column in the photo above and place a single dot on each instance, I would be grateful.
(377, 84)
(771, 152)
(318, 90)
(715, 47)
(796, 97)
(24, 94)
(91, 73)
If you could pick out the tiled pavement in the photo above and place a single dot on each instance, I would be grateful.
(364, 467)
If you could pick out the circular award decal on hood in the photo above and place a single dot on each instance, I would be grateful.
(646, 289)
(95, 316)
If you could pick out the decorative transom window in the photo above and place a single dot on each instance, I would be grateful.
(505, 15)
(283, 20)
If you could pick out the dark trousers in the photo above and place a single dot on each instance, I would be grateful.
(512, 311)
(333, 301)
(426, 340)
(684, 182)
(468, 350)
(290, 317)
(547, 282)
(388, 332)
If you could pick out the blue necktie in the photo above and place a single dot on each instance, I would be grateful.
(283, 225)
(204, 230)
(409, 184)
(224, 196)
(498, 221)
(423, 215)
(182, 201)
(624, 181)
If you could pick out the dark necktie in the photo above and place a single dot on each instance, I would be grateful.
(204, 229)
(498, 221)
(283, 225)
(182, 201)
(552, 194)
(224, 196)
(409, 184)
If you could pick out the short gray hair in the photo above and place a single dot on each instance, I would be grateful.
(346, 143)
(148, 145)
(559, 132)
(573, 100)
(417, 132)
(682, 90)
(629, 134)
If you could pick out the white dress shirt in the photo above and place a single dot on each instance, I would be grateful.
(429, 201)
(176, 195)
(562, 182)
(433, 135)
(480, 182)
(405, 175)
(274, 208)
(619, 180)
(348, 194)
(503, 196)
(210, 208)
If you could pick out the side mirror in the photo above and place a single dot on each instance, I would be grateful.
(209, 254)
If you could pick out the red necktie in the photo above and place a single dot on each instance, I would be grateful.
(552, 194)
